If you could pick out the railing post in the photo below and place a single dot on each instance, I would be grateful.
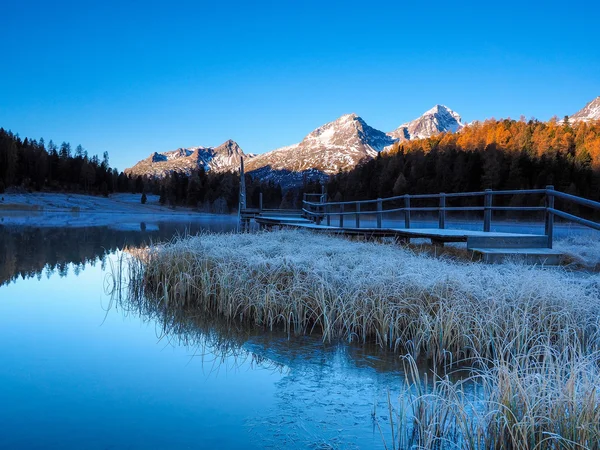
(342, 216)
(549, 215)
(328, 214)
(442, 213)
(487, 211)
(260, 201)
(357, 215)
(379, 212)
(243, 222)
(406, 211)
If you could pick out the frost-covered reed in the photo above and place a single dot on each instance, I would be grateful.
(582, 248)
(424, 306)
(543, 399)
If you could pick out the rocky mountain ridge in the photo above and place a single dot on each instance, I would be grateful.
(438, 119)
(336, 146)
(223, 158)
(589, 112)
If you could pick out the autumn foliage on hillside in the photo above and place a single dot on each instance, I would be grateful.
(496, 154)
(578, 142)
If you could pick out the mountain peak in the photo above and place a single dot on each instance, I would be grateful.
(591, 111)
(229, 147)
(436, 120)
(435, 110)
(347, 117)
(224, 158)
(334, 146)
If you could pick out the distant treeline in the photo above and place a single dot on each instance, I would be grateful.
(495, 154)
(213, 192)
(31, 165)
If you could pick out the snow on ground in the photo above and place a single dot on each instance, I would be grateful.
(123, 211)
(45, 201)
(117, 220)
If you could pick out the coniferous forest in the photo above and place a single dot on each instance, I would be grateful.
(27, 165)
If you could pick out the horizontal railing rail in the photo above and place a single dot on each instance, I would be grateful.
(324, 210)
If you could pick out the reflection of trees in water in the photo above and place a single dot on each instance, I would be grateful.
(29, 252)
(211, 338)
(203, 331)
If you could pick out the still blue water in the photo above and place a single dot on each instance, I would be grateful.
(81, 370)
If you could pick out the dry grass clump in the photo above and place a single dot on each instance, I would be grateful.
(544, 399)
(582, 248)
(431, 308)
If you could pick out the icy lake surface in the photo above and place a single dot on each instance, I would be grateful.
(81, 371)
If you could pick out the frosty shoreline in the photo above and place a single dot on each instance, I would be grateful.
(78, 210)
(46, 201)
(126, 211)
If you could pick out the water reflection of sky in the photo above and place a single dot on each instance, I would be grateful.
(74, 378)
(74, 375)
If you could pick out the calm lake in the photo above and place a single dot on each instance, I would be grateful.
(83, 370)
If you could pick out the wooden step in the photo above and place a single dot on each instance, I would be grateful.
(506, 242)
(542, 256)
(281, 212)
(281, 220)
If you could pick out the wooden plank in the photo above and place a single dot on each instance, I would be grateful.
(504, 242)
(426, 233)
(543, 256)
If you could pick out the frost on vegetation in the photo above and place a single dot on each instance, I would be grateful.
(430, 307)
(584, 248)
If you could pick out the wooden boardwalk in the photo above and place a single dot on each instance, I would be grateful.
(492, 246)
(356, 218)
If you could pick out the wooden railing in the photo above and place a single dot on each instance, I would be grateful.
(322, 210)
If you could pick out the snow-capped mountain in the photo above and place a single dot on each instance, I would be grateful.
(591, 111)
(438, 119)
(225, 157)
(335, 146)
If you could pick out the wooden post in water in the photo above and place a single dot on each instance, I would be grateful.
(342, 216)
(260, 201)
(379, 213)
(243, 221)
(327, 213)
(549, 225)
(442, 213)
(357, 215)
(406, 211)
(323, 200)
(487, 211)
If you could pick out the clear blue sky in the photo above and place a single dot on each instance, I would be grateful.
(153, 76)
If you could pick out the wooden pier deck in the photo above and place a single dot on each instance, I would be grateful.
(492, 246)
(356, 218)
